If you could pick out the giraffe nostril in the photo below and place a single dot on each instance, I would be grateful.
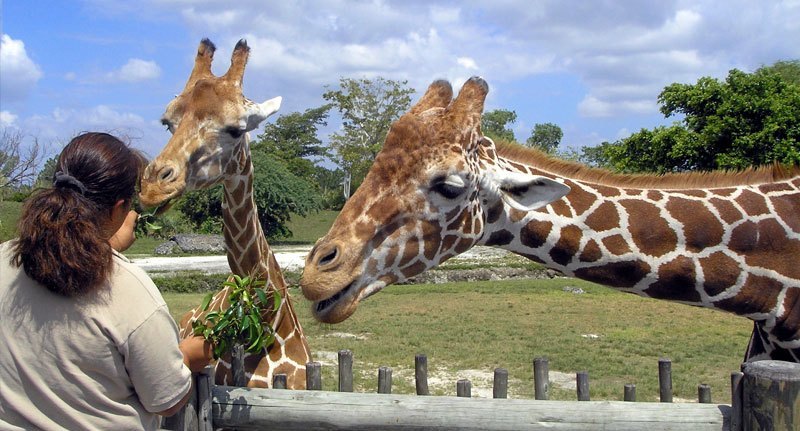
(328, 257)
(166, 174)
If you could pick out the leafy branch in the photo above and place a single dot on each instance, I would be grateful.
(241, 322)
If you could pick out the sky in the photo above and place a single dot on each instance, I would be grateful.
(594, 68)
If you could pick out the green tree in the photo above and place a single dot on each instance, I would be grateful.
(18, 162)
(748, 119)
(45, 177)
(367, 107)
(545, 137)
(789, 70)
(495, 124)
(278, 194)
(293, 139)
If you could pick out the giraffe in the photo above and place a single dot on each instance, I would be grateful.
(725, 240)
(209, 122)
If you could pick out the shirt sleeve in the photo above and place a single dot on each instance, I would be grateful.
(155, 363)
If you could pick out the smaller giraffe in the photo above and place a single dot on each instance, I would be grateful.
(727, 241)
(209, 122)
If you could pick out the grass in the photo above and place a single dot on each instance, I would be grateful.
(307, 230)
(9, 215)
(469, 329)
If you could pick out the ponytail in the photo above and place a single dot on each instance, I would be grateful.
(62, 242)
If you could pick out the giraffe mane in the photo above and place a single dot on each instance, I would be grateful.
(578, 171)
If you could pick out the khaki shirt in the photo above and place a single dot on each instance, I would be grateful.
(108, 361)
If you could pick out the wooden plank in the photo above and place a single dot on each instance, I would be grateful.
(384, 380)
(629, 393)
(247, 408)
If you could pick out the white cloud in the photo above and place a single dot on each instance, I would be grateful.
(7, 119)
(467, 63)
(19, 73)
(135, 70)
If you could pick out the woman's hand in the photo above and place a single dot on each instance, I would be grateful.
(124, 237)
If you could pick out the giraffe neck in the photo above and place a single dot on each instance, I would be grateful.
(726, 248)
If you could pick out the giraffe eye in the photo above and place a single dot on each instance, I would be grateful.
(234, 131)
(447, 189)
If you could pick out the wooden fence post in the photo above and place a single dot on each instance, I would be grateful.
(541, 379)
(582, 379)
(314, 376)
(736, 401)
(629, 392)
(384, 380)
(665, 380)
(421, 374)
(500, 384)
(704, 394)
(345, 371)
(464, 388)
(279, 381)
(771, 396)
(205, 389)
(237, 366)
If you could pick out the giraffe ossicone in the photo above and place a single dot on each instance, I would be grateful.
(209, 122)
(722, 240)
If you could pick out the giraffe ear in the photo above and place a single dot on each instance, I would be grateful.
(259, 112)
(527, 192)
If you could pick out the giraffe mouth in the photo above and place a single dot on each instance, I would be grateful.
(321, 307)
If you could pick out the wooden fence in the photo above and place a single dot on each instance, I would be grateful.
(765, 396)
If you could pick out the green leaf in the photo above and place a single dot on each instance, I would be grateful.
(276, 300)
(206, 301)
(262, 295)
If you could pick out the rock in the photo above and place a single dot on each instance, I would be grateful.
(436, 276)
(192, 243)
(168, 247)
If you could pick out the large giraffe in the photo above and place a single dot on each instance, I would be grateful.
(209, 122)
(728, 241)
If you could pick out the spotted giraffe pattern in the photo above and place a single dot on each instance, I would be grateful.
(728, 241)
(209, 122)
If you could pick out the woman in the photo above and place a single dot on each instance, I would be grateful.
(87, 339)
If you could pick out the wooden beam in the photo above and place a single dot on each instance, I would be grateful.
(246, 408)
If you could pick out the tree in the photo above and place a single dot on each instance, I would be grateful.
(747, 120)
(278, 194)
(45, 177)
(494, 124)
(17, 164)
(293, 139)
(545, 137)
(368, 107)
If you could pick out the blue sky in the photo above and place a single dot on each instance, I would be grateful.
(595, 68)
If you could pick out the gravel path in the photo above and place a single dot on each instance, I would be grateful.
(290, 258)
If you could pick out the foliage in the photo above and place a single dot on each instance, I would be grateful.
(18, 162)
(545, 137)
(495, 124)
(241, 322)
(278, 194)
(45, 177)
(367, 107)
(330, 182)
(293, 139)
(749, 119)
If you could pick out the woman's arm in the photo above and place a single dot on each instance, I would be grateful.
(196, 355)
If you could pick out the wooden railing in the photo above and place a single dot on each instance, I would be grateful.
(765, 396)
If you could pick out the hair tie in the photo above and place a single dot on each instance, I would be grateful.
(67, 180)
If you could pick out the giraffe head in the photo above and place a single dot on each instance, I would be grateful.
(209, 122)
(422, 202)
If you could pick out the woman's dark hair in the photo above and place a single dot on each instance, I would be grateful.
(62, 243)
